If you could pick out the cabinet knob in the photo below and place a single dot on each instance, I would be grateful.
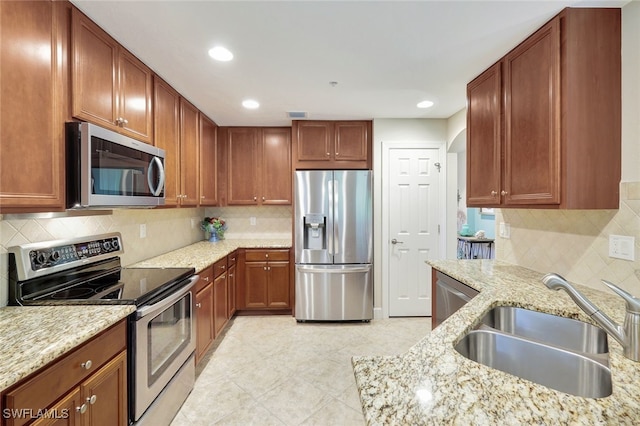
(82, 409)
(92, 399)
(337, 154)
(202, 196)
(255, 198)
(223, 267)
(262, 198)
(264, 267)
(87, 364)
(504, 192)
(494, 193)
(198, 305)
(266, 255)
(230, 275)
(206, 279)
(328, 154)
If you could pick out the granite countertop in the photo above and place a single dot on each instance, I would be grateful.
(202, 254)
(33, 336)
(432, 384)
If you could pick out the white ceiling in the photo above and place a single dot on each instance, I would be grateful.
(385, 55)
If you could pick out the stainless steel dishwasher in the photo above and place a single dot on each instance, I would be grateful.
(451, 295)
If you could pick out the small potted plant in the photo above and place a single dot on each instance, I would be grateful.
(215, 226)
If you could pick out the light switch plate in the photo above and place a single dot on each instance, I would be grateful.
(622, 247)
(252, 220)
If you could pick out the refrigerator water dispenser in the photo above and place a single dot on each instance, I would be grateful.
(315, 226)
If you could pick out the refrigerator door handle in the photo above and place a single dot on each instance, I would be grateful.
(336, 219)
(330, 191)
(333, 271)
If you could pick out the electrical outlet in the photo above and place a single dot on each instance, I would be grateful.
(143, 231)
(505, 230)
(252, 220)
(622, 247)
(193, 223)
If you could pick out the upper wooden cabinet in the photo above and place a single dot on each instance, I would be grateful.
(332, 144)
(208, 162)
(258, 165)
(546, 118)
(189, 154)
(166, 122)
(33, 104)
(111, 87)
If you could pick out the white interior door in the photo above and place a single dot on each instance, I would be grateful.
(413, 211)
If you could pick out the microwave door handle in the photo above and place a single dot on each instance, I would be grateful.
(160, 186)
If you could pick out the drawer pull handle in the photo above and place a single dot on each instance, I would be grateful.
(87, 364)
(82, 409)
(92, 399)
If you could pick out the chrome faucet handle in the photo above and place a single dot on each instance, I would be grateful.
(633, 303)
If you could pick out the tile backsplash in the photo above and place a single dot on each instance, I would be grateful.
(166, 230)
(575, 243)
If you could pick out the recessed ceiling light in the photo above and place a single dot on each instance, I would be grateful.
(425, 104)
(220, 53)
(250, 104)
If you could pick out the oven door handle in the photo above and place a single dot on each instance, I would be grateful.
(168, 301)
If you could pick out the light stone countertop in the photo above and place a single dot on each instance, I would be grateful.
(33, 336)
(202, 254)
(432, 384)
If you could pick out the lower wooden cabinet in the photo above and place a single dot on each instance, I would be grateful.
(220, 301)
(85, 387)
(205, 331)
(231, 283)
(265, 282)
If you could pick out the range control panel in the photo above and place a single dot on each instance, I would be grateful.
(34, 260)
(49, 257)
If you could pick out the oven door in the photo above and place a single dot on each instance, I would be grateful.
(163, 338)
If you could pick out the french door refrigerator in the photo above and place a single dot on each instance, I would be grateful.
(333, 227)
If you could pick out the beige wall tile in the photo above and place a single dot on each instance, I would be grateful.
(575, 243)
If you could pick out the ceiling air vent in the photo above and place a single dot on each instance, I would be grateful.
(296, 114)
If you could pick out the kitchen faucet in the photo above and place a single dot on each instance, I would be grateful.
(627, 335)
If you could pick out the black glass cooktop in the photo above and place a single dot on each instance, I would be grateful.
(99, 283)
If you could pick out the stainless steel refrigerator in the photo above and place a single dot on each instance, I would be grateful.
(333, 222)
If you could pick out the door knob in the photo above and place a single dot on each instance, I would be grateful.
(394, 241)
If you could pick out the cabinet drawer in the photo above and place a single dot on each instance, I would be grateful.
(220, 267)
(232, 259)
(262, 255)
(58, 378)
(206, 278)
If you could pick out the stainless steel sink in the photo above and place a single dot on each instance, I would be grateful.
(556, 368)
(567, 333)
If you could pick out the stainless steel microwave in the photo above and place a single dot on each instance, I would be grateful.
(106, 169)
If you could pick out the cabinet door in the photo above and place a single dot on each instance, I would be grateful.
(94, 80)
(313, 140)
(208, 162)
(66, 413)
(189, 146)
(204, 321)
(255, 290)
(532, 119)
(484, 138)
(32, 105)
(167, 136)
(351, 141)
(278, 292)
(220, 303)
(276, 166)
(135, 84)
(243, 153)
(105, 394)
(231, 292)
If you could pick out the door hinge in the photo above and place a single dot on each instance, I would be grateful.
(438, 166)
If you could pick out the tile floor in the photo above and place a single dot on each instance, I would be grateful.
(270, 370)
